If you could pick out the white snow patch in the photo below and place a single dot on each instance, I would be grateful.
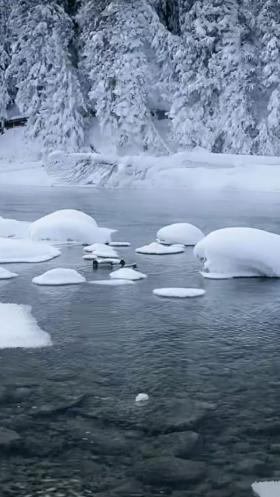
(101, 250)
(112, 282)
(142, 397)
(180, 293)
(182, 233)
(267, 488)
(18, 328)
(156, 248)
(59, 276)
(119, 244)
(127, 274)
(69, 225)
(240, 252)
(6, 275)
(103, 261)
(10, 228)
(14, 250)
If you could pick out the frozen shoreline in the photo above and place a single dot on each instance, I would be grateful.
(21, 164)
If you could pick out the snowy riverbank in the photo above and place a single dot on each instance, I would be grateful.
(22, 164)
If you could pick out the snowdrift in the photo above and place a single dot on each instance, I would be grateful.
(69, 225)
(127, 274)
(266, 488)
(12, 250)
(10, 228)
(59, 276)
(20, 329)
(179, 293)
(101, 250)
(239, 252)
(6, 275)
(179, 233)
(156, 248)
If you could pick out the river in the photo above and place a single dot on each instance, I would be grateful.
(210, 365)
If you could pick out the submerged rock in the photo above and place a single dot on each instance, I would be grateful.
(155, 417)
(165, 471)
(8, 438)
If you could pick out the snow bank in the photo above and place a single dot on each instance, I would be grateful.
(18, 328)
(12, 250)
(156, 248)
(267, 488)
(112, 282)
(127, 274)
(69, 225)
(183, 233)
(59, 276)
(240, 252)
(6, 275)
(101, 250)
(10, 228)
(181, 293)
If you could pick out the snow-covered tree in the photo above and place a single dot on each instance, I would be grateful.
(269, 39)
(4, 61)
(117, 63)
(32, 54)
(63, 104)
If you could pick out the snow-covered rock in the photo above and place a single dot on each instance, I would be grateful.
(127, 274)
(11, 228)
(69, 225)
(18, 328)
(266, 488)
(102, 261)
(6, 275)
(180, 293)
(182, 233)
(14, 250)
(59, 276)
(156, 248)
(142, 397)
(112, 282)
(240, 252)
(101, 250)
(119, 244)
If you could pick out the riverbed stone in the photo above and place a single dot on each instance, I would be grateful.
(178, 444)
(170, 471)
(8, 438)
(154, 417)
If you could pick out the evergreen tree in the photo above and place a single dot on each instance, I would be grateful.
(118, 67)
(63, 105)
(269, 36)
(4, 62)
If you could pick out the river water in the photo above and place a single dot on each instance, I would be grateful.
(210, 365)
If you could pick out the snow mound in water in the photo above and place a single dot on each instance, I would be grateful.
(156, 248)
(101, 261)
(240, 252)
(142, 397)
(69, 225)
(10, 228)
(20, 329)
(6, 275)
(180, 293)
(102, 250)
(183, 233)
(12, 250)
(59, 276)
(266, 488)
(127, 274)
(120, 244)
(112, 282)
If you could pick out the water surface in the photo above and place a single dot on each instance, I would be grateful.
(210, 365)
